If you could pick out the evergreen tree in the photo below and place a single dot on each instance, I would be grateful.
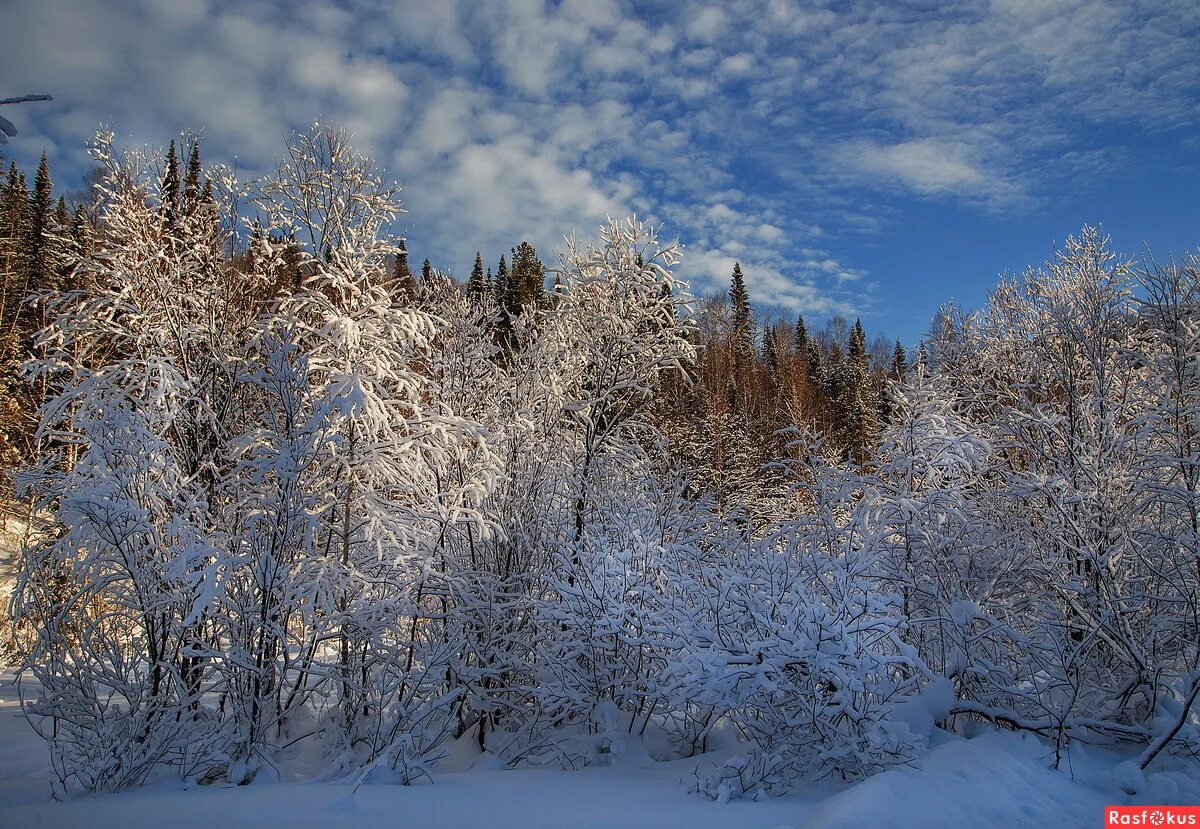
(899, 361)
(426, 270)
(857, 351)
(742, 339)
(62, 216)
(526, 287)
(13, 215)
(739, 300)
(191, 186)
(38, 228)
(770, 354)
(500, 287)
(169, 188)
(859, 403)
(801, 337)
(403, 281)
(477, 286)
(815, 366)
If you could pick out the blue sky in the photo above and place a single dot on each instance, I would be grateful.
(870, 159)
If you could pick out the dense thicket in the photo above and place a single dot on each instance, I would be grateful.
(295, 496)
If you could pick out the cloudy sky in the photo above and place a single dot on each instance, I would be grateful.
(867, 159)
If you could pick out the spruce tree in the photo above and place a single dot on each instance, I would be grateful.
(742, 336)
(477, 287)
(426, 270)
(527, 280)
(858, 403)
(813, 381)
(169, 188)
(899, 361)
(38, 227)
(13, 214)
(403, 282)
(770, 352)
(857, 350)
(739, 300)
(191, 186)
(801, 337)
(62, 216)
(501, 285)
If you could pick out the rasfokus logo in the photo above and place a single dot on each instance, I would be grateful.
(1151, 816)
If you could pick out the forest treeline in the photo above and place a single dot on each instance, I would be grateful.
(292, 495)
(725, 415)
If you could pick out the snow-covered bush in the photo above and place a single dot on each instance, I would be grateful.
(804, 651)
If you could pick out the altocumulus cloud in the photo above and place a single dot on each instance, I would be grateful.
(766, 131)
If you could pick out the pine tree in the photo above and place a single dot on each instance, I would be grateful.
(801, 337)
(39, 224)
(527, 281)
(191, 187)
(859, 404)
(742, 339)
(739, 300)
(403, 282)
(477, 286)
(13, 217)
(169, 189)
(501, 287)
(62, 217)
(899, 361)
(815, 366)
(426, 271)
(770, 353)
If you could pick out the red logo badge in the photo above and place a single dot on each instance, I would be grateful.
(1152, 816)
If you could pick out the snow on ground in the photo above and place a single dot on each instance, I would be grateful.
(996, 779)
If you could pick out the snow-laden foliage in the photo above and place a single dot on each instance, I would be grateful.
(298, 501)
(1038, 488)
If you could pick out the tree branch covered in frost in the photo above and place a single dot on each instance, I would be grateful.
(296, 500)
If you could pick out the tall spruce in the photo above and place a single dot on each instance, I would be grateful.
(770, 352)
(39, 226)
(800, 338)
(403, 282)
(191, 184)
(739, 301)
(13, 216)
(500, 287)
(899, 361)
(477, 285)
(742, 337)
(859, 406)
(169, 188)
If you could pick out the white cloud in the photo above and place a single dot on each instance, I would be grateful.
(926, 164)
(751, 128)
(707, 24)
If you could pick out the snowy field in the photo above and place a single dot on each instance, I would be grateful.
(995, 779)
